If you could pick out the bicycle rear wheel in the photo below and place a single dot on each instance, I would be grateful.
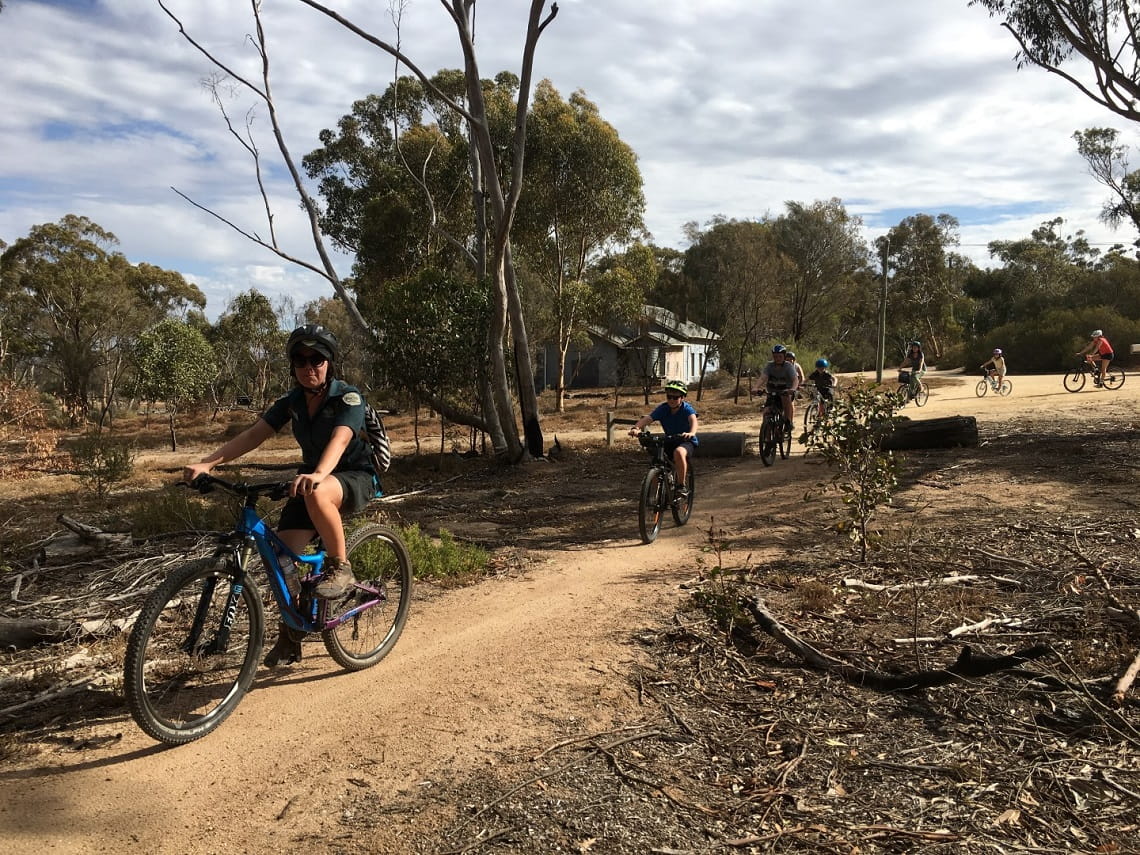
(768, 442)
(1074, 380)
(1113, 379)
(185, 672)
(922, 395)
(1006, 388)
(649, 508)
(380, 562)
(683, 506)
(982, 387)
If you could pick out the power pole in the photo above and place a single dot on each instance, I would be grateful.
(886, 251)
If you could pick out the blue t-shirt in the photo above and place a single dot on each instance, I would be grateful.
(677, 422)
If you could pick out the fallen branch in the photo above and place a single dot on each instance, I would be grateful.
(909, 586)
(968, 666)
(1125, 682)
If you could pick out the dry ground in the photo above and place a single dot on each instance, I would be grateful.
(598, 695)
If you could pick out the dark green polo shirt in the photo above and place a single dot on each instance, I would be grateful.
(344, 405)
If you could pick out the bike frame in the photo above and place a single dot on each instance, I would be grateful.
(251, 534)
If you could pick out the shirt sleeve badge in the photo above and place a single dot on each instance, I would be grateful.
(353, 399)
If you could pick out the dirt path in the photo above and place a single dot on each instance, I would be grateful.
(481, 675)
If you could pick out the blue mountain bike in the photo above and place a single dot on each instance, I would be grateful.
(196, 643)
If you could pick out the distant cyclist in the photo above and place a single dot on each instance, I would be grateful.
(997, 363)
(780, 378)
(915, 361)
(679, 421)
(1099, 351)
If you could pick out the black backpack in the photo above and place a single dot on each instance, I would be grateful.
(377, 439)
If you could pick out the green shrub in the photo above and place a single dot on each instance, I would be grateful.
(849, 440)
(178, 509)
(102, 461)
(443, 558)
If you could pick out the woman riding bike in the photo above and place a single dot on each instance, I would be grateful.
(1099, 351)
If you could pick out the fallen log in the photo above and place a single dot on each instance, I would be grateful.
(22, 633)
(947, 432)
(968, 666)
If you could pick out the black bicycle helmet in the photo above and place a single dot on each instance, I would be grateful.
(315, 337)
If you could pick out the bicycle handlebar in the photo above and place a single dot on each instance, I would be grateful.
(205, 483)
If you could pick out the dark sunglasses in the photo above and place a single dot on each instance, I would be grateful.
(673, 397)
(314, 360)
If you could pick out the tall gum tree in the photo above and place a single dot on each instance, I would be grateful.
(500, 191)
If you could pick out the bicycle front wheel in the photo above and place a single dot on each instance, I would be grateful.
(811, 416)
(382, 565)
(193, 651)
(786, 440)
(922, 395)
(904, 394)
(768, 442)
(683, 505)
(1006, 388)
(1074, 380)
(1113, 379)
(981, 389)
(649, 508)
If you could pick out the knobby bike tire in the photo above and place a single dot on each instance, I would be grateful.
(786, 440)
(683, 507)
(380, 561)
(768, 442)
(922, 395)
(1113, 379)
(904, 394)
(181, 678)
(1006, 388)
(649, 508)
(811, 416)
(982, 387)
(1074, 380)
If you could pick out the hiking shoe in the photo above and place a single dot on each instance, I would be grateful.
(285, 651)
(681, 493)
(336, 580)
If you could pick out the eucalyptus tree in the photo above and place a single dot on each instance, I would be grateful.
(80, 305)
(825, 245)
(583, 199)
(1107, 160)
(738, 269)
(174, 363)
(495, 191)
(926, 280)
(1105, 34)
(250, 345)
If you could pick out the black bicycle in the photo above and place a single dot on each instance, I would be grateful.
(775, 430)
(1074, 380)
(912, 388)
(197, 640)
(659, 489)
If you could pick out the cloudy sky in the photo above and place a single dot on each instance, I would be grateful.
(733, 106)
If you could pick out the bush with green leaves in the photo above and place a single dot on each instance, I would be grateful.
(443, 558)
(102, 461)
(849, 440)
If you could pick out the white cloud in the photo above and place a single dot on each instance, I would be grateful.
(733, 107)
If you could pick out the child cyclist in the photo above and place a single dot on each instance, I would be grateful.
(679, 421)
(996, 364)
(824, 382)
